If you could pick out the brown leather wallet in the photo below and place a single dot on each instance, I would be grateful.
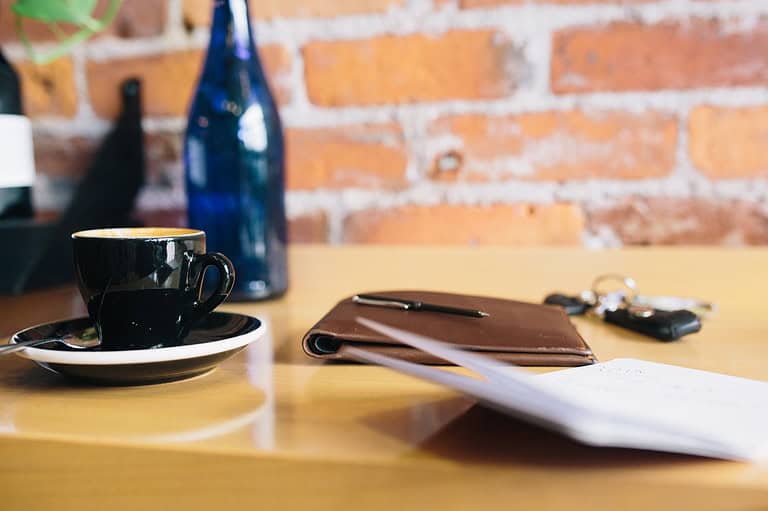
(514, 332)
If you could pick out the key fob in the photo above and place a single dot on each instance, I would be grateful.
(573, 305)
(662, 325)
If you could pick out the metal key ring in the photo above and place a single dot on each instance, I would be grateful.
(627, 282)
(701, 308)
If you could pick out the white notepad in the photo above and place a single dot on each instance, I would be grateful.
(621, 403)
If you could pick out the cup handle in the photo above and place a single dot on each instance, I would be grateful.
(226, 281)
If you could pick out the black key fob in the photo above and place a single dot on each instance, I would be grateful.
(573, 305)
(662, 325)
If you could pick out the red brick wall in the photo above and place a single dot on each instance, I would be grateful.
(595, 122)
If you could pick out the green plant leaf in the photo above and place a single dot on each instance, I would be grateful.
(85, 9)
(55, 11)
(86, 6)
(88, 25)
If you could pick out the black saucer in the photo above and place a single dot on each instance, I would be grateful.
(215, 338)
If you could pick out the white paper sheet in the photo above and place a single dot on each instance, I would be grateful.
(621, 403)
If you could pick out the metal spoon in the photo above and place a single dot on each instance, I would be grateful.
(72, 341)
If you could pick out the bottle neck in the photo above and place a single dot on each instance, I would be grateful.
(10, 91)
(231, 28)
(232, 65)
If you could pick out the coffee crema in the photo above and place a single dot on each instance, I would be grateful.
(138, 233)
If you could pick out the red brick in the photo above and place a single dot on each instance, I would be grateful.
(675, 221)
(47, 215)
(70, 157)
(66, 157)
(164, 154)
(163, 217)
(632, 56)
(310, 228)
(392, 69)
(136, 18)
(139, 18)
(558, 145)
(48, 90)
(514, 224)
(36, 31)
(729, 142)
(368, 156)
(277, 65)
(168, 79)
(198, 12)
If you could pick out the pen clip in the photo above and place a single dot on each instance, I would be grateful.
(394, 304)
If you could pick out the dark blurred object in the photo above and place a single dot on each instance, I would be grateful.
(36, 254)
(18, 174)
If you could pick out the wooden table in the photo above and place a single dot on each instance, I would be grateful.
(272, 429)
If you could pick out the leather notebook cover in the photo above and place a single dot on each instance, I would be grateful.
(514, 332)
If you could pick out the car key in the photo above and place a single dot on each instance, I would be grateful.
(659, 324)
(665, 318)
(573, 305)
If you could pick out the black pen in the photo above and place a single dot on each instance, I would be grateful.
(414, 305)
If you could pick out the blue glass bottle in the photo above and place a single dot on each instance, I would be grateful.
(234, 158)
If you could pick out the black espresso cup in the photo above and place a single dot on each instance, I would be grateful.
(142, 286)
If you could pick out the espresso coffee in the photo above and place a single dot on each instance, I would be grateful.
(142, 286)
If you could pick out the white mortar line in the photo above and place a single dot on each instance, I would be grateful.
(513, 18)
(413, 18)
(526, 101)
(598, 192)
(164, 125)
(301, 114)
(296, 80)
(684, 165)
(415, 138)
(84, 109)
(594, 194)
(174, 24)
(335, 218)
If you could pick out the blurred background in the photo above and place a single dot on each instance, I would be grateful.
(595, 123)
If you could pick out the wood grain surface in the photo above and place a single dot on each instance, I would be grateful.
(275, 429)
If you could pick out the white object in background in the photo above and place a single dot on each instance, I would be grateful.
(621, 403)
(17, 167)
